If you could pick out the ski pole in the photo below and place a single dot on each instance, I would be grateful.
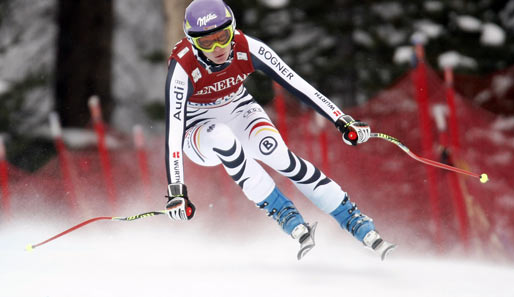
(482, 177)
(30, 247)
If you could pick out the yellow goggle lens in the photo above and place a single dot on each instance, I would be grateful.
(209, 42)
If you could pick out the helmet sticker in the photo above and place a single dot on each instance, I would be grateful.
(202, 21)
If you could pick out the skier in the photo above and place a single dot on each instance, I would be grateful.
(214, 120)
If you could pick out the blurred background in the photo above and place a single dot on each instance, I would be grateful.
(82, 109)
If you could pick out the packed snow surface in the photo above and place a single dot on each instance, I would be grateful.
(157, 257)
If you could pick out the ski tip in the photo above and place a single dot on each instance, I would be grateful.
(29, 248)
(304, 251)
(308, 244)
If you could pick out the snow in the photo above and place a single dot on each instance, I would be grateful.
(429, 28)
(483, 97)
(501, 84)
(403, 54)
(276, 4)
(388, 10)
(391, 35)
(4, 86)
(76, 138)
(419, 38)
(439, 112)
(454, 59)
(504, 123)
(27, 46)
(469, 23)
(363, 38)
(492, 35)
(506, 15)
(424, 30)
(433, 6)
(137, 81)
(55, 125)
(449, 60)
(303, 37)
(155, 257)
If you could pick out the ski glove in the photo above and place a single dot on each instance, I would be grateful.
(354, 131)
(179, 207)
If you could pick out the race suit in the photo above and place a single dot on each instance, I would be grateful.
(213, 119)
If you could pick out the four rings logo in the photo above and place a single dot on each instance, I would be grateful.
(267, 145)
(202, 21)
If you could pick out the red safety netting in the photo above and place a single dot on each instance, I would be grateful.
(386, 183)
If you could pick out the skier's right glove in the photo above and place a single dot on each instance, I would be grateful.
(179, 207)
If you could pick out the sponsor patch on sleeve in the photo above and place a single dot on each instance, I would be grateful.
(196, 74)
(242, 56)
(183, 52)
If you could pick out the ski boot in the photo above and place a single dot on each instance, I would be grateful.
(305, 235)
(374, 241)
(281, 209)
(361, 227)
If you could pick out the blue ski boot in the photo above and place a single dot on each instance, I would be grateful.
(285, 213)
(361, 227)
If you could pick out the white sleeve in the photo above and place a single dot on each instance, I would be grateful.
(178, 90)
(266, 60)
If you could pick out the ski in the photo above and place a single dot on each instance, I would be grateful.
(307, 242)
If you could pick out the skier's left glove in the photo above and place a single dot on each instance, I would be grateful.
(179, 207)
(354, 131)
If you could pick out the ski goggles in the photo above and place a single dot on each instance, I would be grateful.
(209, 42)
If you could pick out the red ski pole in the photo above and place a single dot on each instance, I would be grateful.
(482, 177)
(30, 247)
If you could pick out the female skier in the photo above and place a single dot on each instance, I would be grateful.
(214, 120)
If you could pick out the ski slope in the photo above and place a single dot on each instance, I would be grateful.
(156, 257)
